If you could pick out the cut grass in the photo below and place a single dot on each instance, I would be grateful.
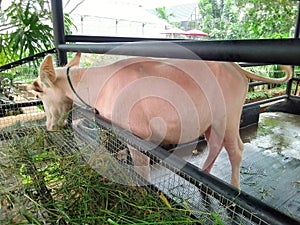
(52, 185)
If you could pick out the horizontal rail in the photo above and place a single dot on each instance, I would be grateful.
(266, 101)
(26, 60)
(253, 64)
(273, 51)
(21, 104)
(97, 39)
(258, 83)
(296, 79)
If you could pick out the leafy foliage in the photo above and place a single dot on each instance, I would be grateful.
(162, 13)
(220, 18)
(29, 31)
(268, 19)
(250, 19)
(53, 185)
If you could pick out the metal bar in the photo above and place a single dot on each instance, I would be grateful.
(253, 64)
(254, 84)
(297, 85)
(59, 30)
(21, 104)
(195, 175)
(98, 39)
(266, 101)
(274, 51)
(26, 60)
(296, 37)
(297, 28)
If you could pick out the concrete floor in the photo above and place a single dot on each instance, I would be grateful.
(270, 169)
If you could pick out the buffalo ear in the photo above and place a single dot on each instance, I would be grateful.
(36, 87)
(47, 72)
(75, 61)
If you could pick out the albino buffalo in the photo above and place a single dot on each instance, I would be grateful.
(167, 101)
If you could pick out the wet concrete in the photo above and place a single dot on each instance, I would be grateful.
(270, 169)
(276, 133)
(271, 165)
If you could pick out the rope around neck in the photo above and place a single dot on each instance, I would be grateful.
(74, 91)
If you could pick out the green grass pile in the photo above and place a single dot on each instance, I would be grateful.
(43, 182)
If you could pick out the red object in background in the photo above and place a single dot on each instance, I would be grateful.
(195, 33)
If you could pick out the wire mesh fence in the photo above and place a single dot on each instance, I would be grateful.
(205, 202)
(17, 103)
(46, 178)
(106, 149)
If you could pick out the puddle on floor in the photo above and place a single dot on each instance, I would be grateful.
(277, 133)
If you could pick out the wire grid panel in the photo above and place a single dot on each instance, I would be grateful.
(103, 151)
(17, 102)
(20, 146)
(15, 114)
(107, 152)
(200, 199)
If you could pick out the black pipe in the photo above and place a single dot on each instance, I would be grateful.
(59, 30)
(21, 104)
(289, 85)
(288, 90)
(258, 83)
(26, 60)
(98, 39)
(297, 28)
(274, 51)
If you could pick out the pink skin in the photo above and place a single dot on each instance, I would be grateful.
(166, 101)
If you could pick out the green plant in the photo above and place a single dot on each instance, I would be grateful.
(256, 95)
(27, 29)
(55, 185)
(220, 19)
(30, 32)
(230, 19)
(268, 19)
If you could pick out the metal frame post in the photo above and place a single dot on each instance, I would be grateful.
(296, 36)
(59, 30)
(297, 28)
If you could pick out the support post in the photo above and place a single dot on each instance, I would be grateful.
(296, 36)
(297, 28)
(59, 30)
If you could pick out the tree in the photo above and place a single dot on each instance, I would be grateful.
(162, 13)
(26, 29)
(268, 19)
(220, 18)
(247, 19)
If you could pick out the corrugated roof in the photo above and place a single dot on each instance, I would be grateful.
(181, 12)
(116, 11)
